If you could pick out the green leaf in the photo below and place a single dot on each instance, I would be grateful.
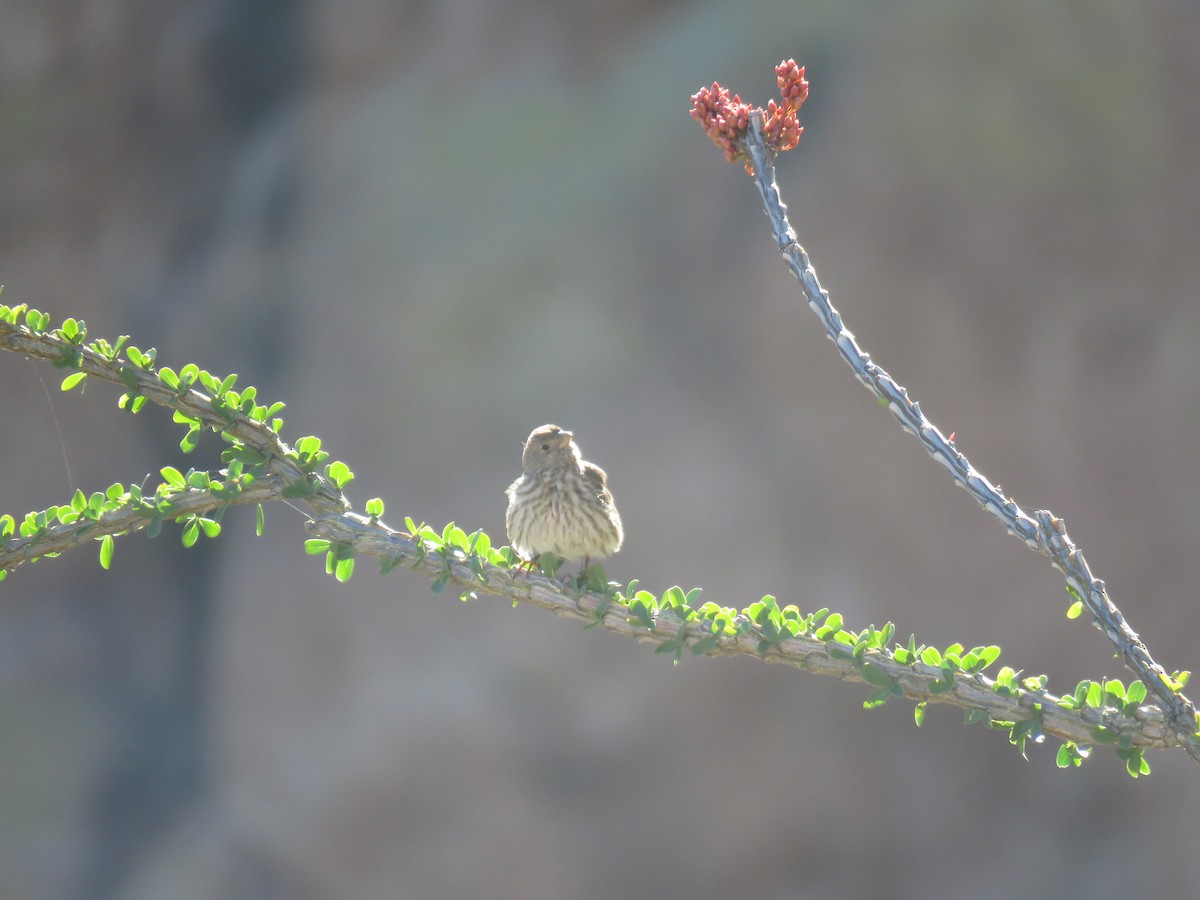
(453, 536)
(313, 546)
(876, 675)
(375, 508)
(705, 644)
(1074, 610)
(73, 379)
(971, 716)
(877, 698)
(191, 532)
(673, 597)
(190, 440)
(344, 569)
(339, 473)
(173, 477)
(199, 479)
(478, 543)
(1135, 693)
(931, 656)
(106, 551)
(260, 521)
(886, 634)
(594, 578)
(919, 713)
(211, 527)
(988, 655)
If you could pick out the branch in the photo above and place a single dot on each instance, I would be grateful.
(131, 511)
(260, 466)
(1043, 531)
(464, 562)
(148, 382)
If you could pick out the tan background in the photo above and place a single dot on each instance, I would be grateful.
(430, 227)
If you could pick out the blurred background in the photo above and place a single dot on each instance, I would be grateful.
(430, 227)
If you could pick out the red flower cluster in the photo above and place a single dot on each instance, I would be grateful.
(725, 119)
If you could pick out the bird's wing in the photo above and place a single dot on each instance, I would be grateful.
(596, 480)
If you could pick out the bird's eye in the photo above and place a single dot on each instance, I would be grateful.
(545, 447)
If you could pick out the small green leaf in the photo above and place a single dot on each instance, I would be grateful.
(1074, 610)
(191, 532)
(260, 521)
(313, 546)
(877, 698)
(344, 569)
(339, 473)
(988, 655)
(876, 675)
(173, 477)
(106, 551)
(919, 713)
(971, 716)
(705, 644)
(594, 578)
(73, 379)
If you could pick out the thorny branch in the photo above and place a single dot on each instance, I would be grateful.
(1042, 531)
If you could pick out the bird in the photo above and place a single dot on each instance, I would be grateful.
(561, 504)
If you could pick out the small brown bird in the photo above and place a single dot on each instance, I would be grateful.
(560, 504)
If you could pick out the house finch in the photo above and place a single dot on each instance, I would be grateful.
(560, 504)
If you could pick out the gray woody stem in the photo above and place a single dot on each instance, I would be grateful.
(1043, 531)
